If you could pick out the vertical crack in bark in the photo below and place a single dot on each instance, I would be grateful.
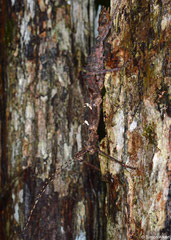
(3, 119)
(105, 3)
(101, 131)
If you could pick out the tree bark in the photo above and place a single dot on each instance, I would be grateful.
(46, 44)
(137, 115)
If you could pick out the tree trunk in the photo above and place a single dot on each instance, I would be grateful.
(137, 115)
(44, 46)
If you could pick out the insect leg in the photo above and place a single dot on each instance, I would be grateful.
(115, 160)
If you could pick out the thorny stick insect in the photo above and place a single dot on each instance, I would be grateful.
(94, 82)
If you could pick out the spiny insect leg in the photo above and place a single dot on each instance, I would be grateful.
(115, 160)
(50, 179)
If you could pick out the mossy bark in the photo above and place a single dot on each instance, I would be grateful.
(137, 115)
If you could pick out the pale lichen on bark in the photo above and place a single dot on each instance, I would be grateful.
(44, 106)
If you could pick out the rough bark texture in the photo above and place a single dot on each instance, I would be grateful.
(46, 45)
(137, 118)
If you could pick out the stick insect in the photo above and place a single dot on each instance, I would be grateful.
(93, 78)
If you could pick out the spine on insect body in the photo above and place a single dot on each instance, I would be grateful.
(94, 81)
